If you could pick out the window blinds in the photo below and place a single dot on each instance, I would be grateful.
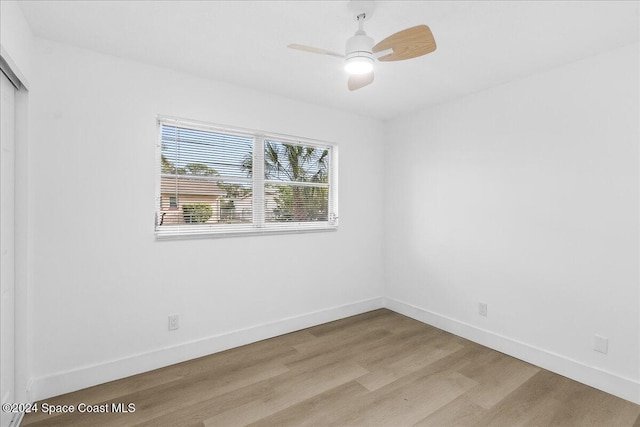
(220, 181)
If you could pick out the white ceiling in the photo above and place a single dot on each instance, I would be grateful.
(480, 43)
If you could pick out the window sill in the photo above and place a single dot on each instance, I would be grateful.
(200, 233)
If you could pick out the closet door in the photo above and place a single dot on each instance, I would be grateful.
(7, 226)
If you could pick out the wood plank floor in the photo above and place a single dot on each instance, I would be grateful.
(376, 369)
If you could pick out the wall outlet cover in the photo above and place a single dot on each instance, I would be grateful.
(482, 309)
(174, 322)
(601, 344)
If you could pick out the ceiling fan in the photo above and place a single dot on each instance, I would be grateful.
(361, 52)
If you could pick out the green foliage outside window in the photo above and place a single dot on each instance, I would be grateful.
(196, 213)
(296, 163)
(301, 204)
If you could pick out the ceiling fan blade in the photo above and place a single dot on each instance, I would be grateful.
(312, 49)
(356, 81)
(407, 44)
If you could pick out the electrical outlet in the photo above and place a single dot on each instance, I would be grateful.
(482, 309)
(173, 322)
(601, 344)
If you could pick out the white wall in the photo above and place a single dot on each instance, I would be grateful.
(525, 197)
(103, 286)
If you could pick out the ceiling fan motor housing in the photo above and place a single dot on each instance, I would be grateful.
(359, 59)
(359, 45)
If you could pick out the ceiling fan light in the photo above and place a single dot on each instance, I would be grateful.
(358, 65)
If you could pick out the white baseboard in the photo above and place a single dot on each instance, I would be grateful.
(626, 388)
(87, 376)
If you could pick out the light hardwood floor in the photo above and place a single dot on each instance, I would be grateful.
(376, 369)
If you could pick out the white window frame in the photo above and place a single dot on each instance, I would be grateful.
(258, 226)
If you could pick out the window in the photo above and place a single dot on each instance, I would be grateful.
(222, 181)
